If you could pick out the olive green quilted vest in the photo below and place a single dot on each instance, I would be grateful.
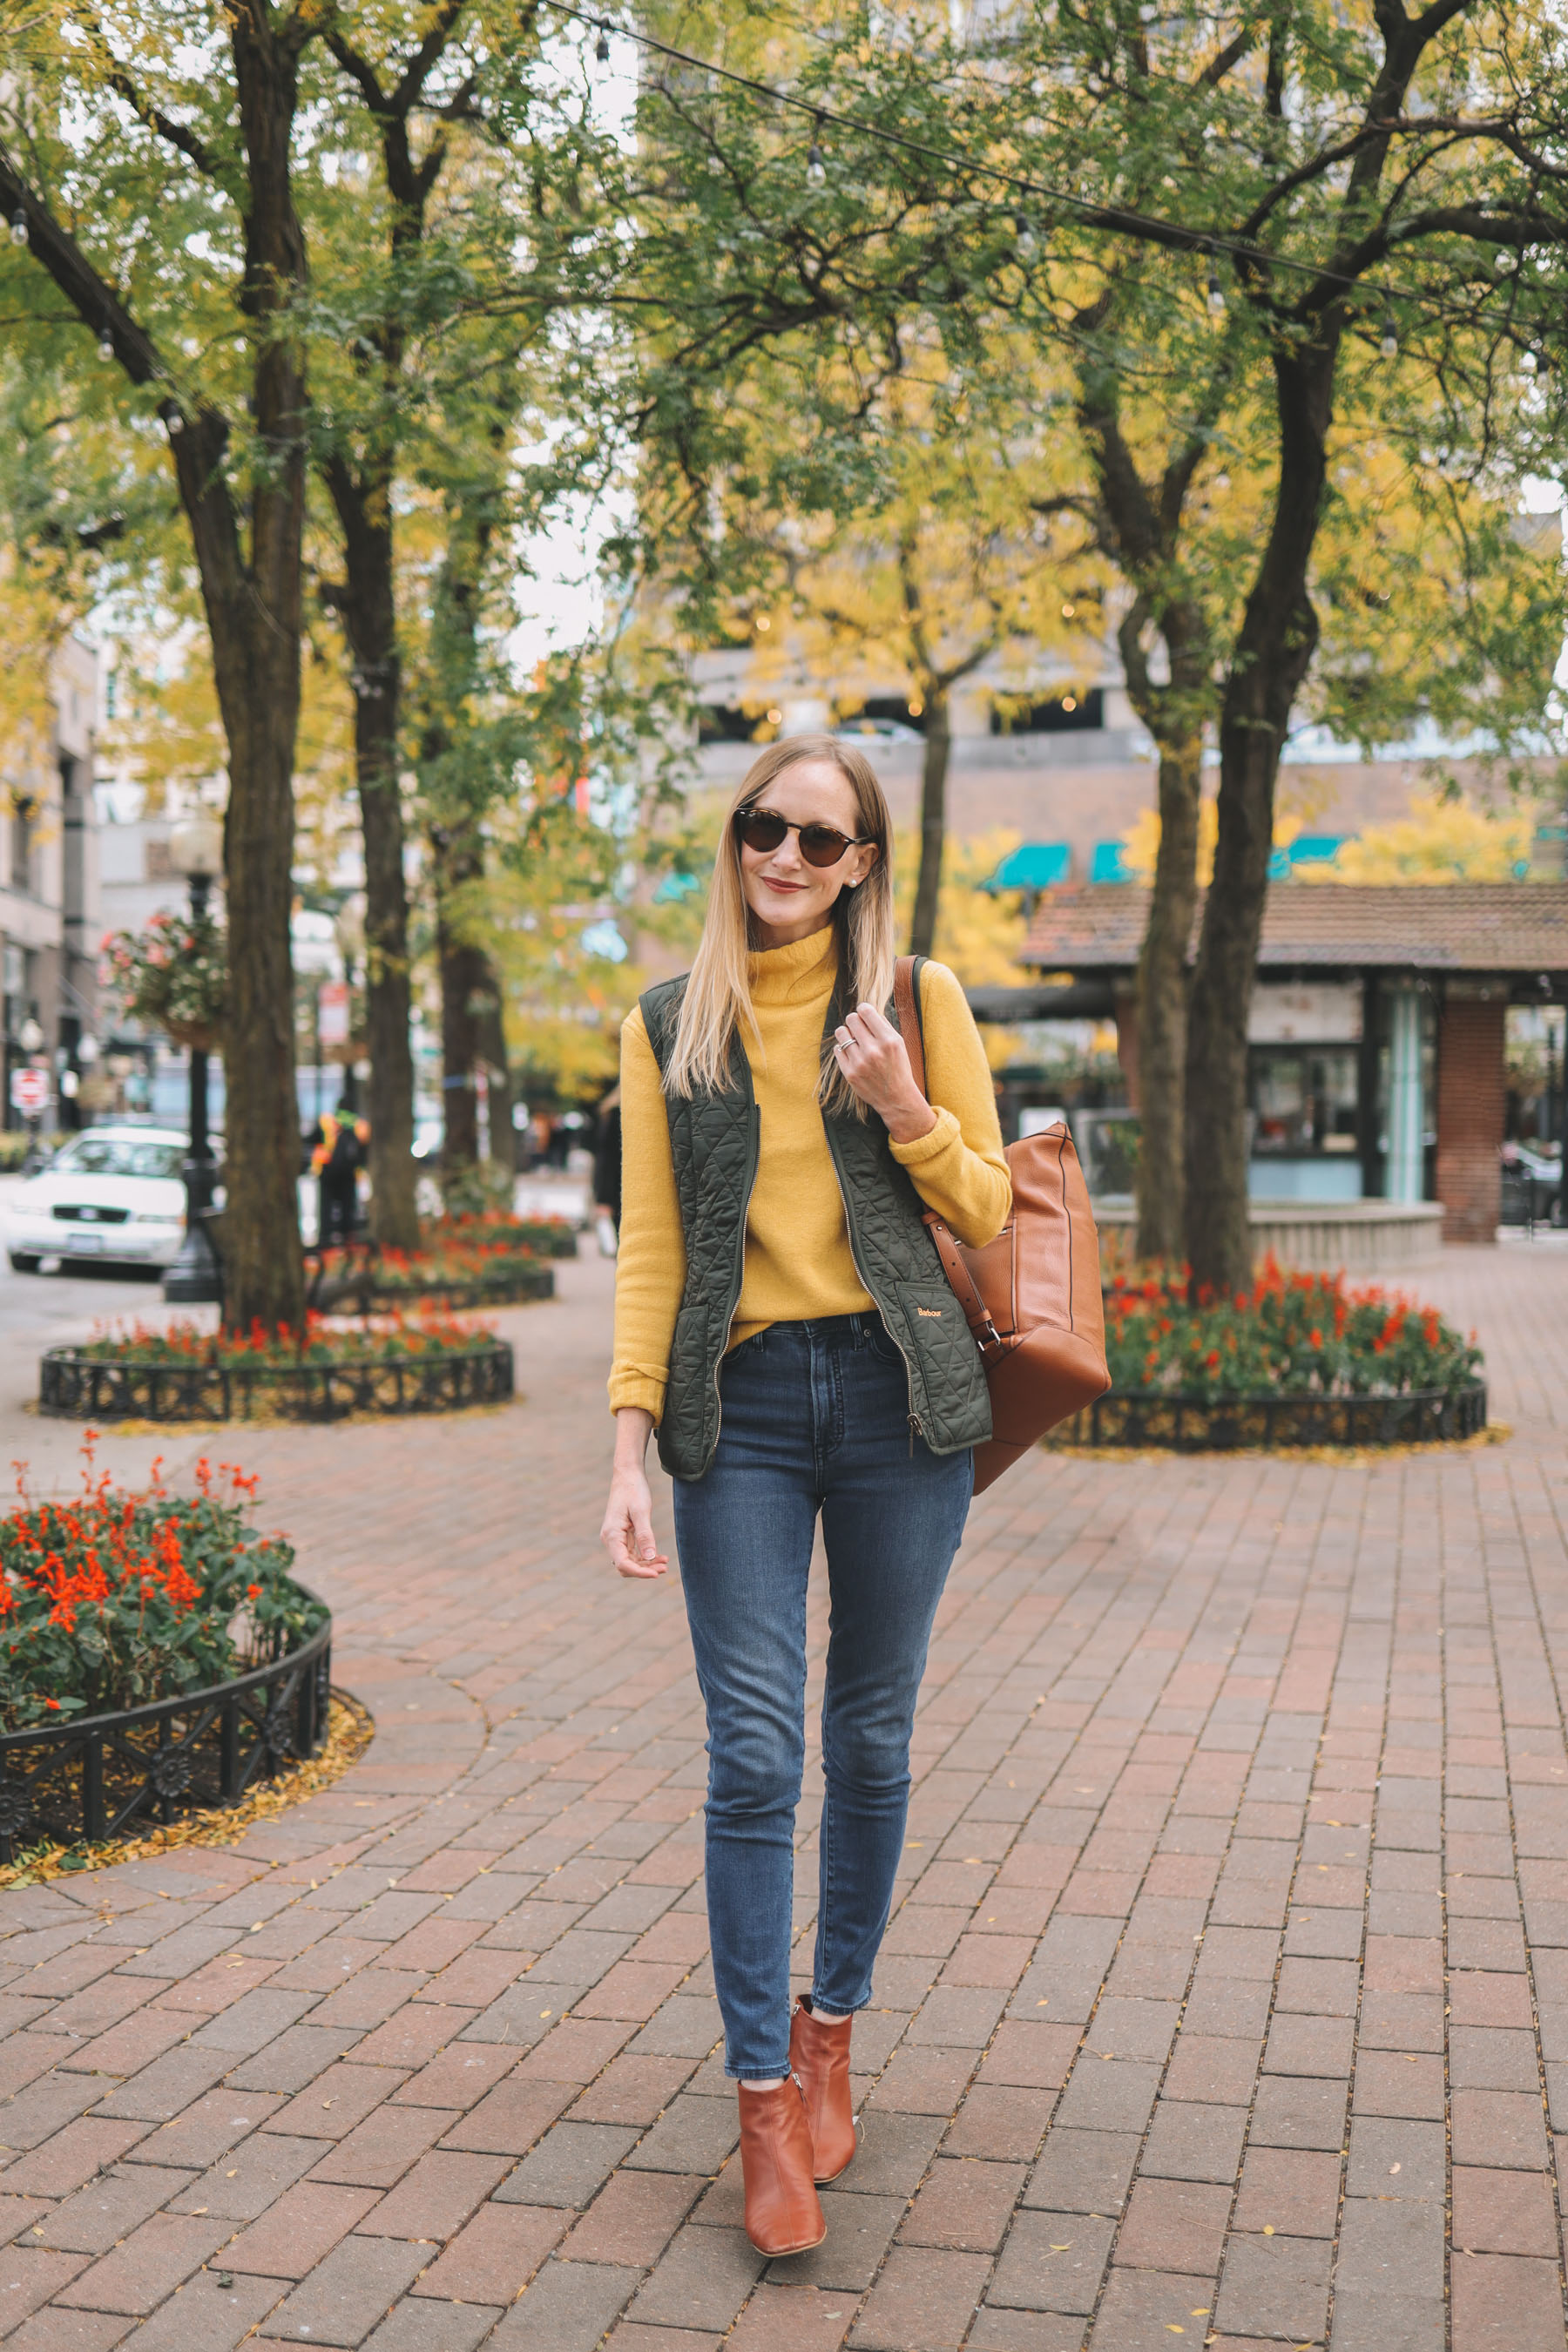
(714, 1140)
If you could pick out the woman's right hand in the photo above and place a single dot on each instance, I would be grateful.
(627, 1531)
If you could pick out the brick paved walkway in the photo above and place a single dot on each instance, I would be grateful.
(1232, 1949)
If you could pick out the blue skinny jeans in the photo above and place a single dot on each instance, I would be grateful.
(815, 1418)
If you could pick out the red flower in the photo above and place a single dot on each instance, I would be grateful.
(251, 1590)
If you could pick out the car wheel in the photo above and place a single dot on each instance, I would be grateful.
(24, 1262)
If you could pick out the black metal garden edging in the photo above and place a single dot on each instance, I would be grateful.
(78, 1386)
(1189, 1423)
(94, 1776)
(517, 1283)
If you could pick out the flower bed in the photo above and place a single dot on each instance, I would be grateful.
(389, 1364)
(133, 1626)
(451, 1276)
(546, 1237)
(1299, 1359)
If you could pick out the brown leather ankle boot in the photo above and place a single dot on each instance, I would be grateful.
(783, 2215)
(820, 2056)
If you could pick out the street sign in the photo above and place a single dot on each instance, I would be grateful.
(334, 1012)
(30, 1092)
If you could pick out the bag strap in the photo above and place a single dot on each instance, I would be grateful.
(961, 1281)
(911, 1025)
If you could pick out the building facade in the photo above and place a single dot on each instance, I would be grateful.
(1377, 1031)
(51, 907)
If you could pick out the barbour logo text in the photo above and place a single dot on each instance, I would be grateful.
(932, 1311)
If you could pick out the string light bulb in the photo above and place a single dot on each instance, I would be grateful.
(1026, 242)
(18, 227)
(1388, 342)
(601, 45)
(815, 169)
(172, 417)
(1215, 290)
(106, 342)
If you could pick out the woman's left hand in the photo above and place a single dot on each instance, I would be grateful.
(870, 1053)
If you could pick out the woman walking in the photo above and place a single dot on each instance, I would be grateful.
(783, 1319)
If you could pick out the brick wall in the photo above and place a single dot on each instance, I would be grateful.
(1470, 1114)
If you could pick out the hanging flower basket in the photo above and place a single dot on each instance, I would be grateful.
(195, 1036)
(172, 975)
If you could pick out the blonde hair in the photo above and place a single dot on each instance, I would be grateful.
(717, 1005)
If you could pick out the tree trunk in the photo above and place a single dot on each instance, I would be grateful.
(367, 605)
(255, 616)
(1273, 652)
(492, 1045)
(262, 1268)
(468, 1002)
(933, 819)
(1163, 1003)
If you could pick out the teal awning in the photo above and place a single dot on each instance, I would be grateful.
(1107, 863)
(1317, 848)
(1033, 866)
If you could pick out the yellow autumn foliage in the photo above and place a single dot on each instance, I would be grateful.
(1141, 844)
(1442, 840)
(34, 624)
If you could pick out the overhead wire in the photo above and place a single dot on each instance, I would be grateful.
(1123, 217)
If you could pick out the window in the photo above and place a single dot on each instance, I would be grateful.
(120, 1155)
(1069, 714)
(24, 815)
(720, 723)
(1303, 1100)
(892, 717)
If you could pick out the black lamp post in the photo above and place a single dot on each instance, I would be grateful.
(195, 1278)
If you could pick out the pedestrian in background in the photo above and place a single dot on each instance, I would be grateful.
(782, 1318)
(608, 1172)
(339, 1149)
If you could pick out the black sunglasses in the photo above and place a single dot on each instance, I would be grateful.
(820, 845)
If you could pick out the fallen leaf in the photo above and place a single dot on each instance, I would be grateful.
(1393, 2169)
(1268, 2229)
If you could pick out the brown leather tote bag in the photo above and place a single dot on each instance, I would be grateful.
(1031, 1297)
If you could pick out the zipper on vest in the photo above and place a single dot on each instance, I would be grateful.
(916, 1427)
(753, 1154)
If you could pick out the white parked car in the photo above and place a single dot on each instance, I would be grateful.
(113, 1193)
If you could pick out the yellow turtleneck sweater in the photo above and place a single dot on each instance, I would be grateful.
(798, 1264)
